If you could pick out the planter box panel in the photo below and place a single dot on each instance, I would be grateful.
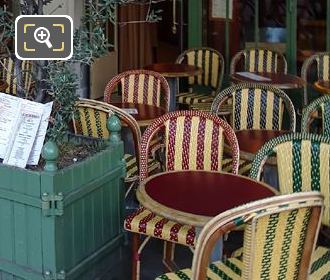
(66, 220)
(73, 177)
(20, 246)
(20, 180)
(91, 222)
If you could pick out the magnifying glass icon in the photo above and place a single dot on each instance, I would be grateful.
(41, 35)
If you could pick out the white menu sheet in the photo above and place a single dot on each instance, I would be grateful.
(41, 134)
(23, 126)
(9, 108)
(253, 76)
(25, 131)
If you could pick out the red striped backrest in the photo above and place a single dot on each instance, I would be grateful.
(140, 87)
(193, 141)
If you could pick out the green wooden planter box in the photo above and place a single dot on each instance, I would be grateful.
(62, 224)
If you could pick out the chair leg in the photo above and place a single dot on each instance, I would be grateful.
(135, 256)
(168, 256)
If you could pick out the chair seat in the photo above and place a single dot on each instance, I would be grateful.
(132, 169)
(193, 98)
(243, 168)
(232, 268)
(320, 269)
(146, 222)
(228, 269)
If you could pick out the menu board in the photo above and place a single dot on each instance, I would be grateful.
(23, 126)
(218, 9)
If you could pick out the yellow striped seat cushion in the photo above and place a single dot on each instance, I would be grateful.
(131, 166)
(148, 223)
(320, 269)
(243, 168)
(229, 269)
(193, 98)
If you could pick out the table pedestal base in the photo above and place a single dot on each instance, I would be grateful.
(173, 84)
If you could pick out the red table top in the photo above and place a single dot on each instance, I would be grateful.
(280, 80)
(172, 70)
(251, 140)
(198, 193)
(146, 113)
(322, 86)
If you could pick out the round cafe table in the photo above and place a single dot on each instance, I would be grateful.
(250, 141)
(194, 197)
(144, 114)
(3, 85)
(322, 86)
(173, 71)
(279, 80)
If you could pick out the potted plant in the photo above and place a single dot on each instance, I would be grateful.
(62, 222)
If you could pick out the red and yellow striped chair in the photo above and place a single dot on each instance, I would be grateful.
(255, 106)
(91, 121)
(322, 61)
(140, 87)
(303, 162)
(258, 60)
(9, 75)
(279, 239)
(193, 141)
(318, 109)
(210, 80)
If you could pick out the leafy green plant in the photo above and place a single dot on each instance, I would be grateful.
(57, 80)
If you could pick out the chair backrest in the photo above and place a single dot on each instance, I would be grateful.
(256, 106)
(9, 75)
(322, 61)
(193, 141)
(92, 116)
(318, 108)
(303, 163)
(210, 61)
(140, 87)
(259, 60)
(279, 237)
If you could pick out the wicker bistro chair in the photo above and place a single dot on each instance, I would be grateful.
(279, 239)
(258, 60)
(319, 108)
(255, 106)
(323, 69)
(141, 87)
(9, 75)
(212, 64)
(303, 162)
(193, 141)
(92, 121)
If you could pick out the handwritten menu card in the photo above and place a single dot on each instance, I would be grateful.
(23, 126)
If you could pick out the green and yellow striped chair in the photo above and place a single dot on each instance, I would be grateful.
(303, 162)
(91, 121)
(322, 61)
(210, 80)
(8, 74)
(318, 109)
(258, 60)
(279, 239)
(255, 106)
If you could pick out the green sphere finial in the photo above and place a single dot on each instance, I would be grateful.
(114, 127)
(50, 154)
